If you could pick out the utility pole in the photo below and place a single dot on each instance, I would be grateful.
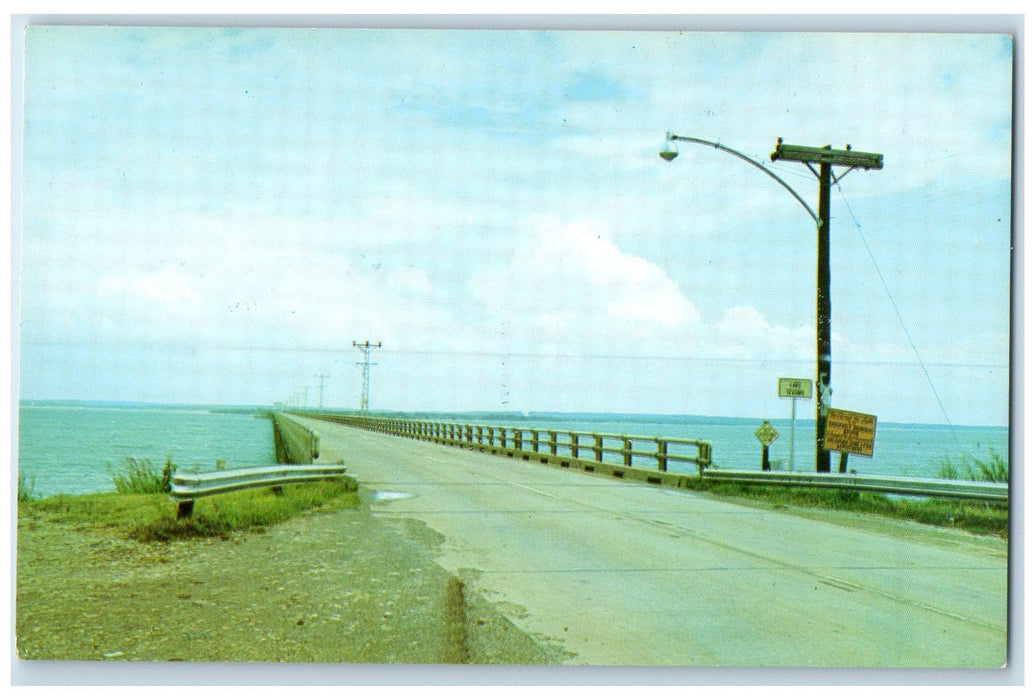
(825, 157)
(321, 377)
(365, 348)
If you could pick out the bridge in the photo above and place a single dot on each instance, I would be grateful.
(623, 572)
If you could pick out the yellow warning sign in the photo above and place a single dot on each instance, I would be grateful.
(766, 433)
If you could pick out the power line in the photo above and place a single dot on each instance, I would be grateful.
(646, 357)
(898, 314)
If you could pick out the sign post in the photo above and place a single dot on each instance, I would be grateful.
(793, 389)
(850, 432)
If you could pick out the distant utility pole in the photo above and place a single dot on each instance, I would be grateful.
(365, 348)
(321, 377)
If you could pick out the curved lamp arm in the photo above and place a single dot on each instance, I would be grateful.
(669, 155)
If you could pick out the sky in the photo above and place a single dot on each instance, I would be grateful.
(215, 215)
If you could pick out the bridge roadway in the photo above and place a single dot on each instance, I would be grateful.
(622, 573)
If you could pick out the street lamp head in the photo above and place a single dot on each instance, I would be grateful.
(667, 152)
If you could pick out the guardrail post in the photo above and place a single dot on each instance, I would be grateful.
(662, 454)
(535, 441)
(627, 458)
(553, 442)
(518, 440)
(598, 448)
(574, 445)
(184, 509)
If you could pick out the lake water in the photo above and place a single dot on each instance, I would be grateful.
(68, 448)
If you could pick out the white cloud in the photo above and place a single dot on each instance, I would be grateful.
(410, 280)
(167, 285)
(571, 279)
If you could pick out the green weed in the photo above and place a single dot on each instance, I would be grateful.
(969, 468)
(27, 488)
(140, 476)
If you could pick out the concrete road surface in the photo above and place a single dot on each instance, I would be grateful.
(621, 573)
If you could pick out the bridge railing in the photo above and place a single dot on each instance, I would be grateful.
(636, 457)
(604, 448)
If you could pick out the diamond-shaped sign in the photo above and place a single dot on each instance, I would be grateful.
(766, 433)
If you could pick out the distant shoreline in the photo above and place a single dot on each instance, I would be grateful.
(481, 416)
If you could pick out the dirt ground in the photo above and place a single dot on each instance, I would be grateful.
(342, 587)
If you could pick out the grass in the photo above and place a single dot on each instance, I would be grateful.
(977, 517)
(969, 468)
(141, 476)
(27, 488)
(151, 517)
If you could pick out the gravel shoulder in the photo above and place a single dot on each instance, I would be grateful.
(329, 587)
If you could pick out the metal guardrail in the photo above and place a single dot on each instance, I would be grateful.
(603, 448)
(911, 486)
(188, 486)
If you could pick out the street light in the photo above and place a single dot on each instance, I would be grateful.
(825, 157)
(670, 155)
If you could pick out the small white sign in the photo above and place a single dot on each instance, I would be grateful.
(795, 388)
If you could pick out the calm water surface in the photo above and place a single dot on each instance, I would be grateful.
(67, 449)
